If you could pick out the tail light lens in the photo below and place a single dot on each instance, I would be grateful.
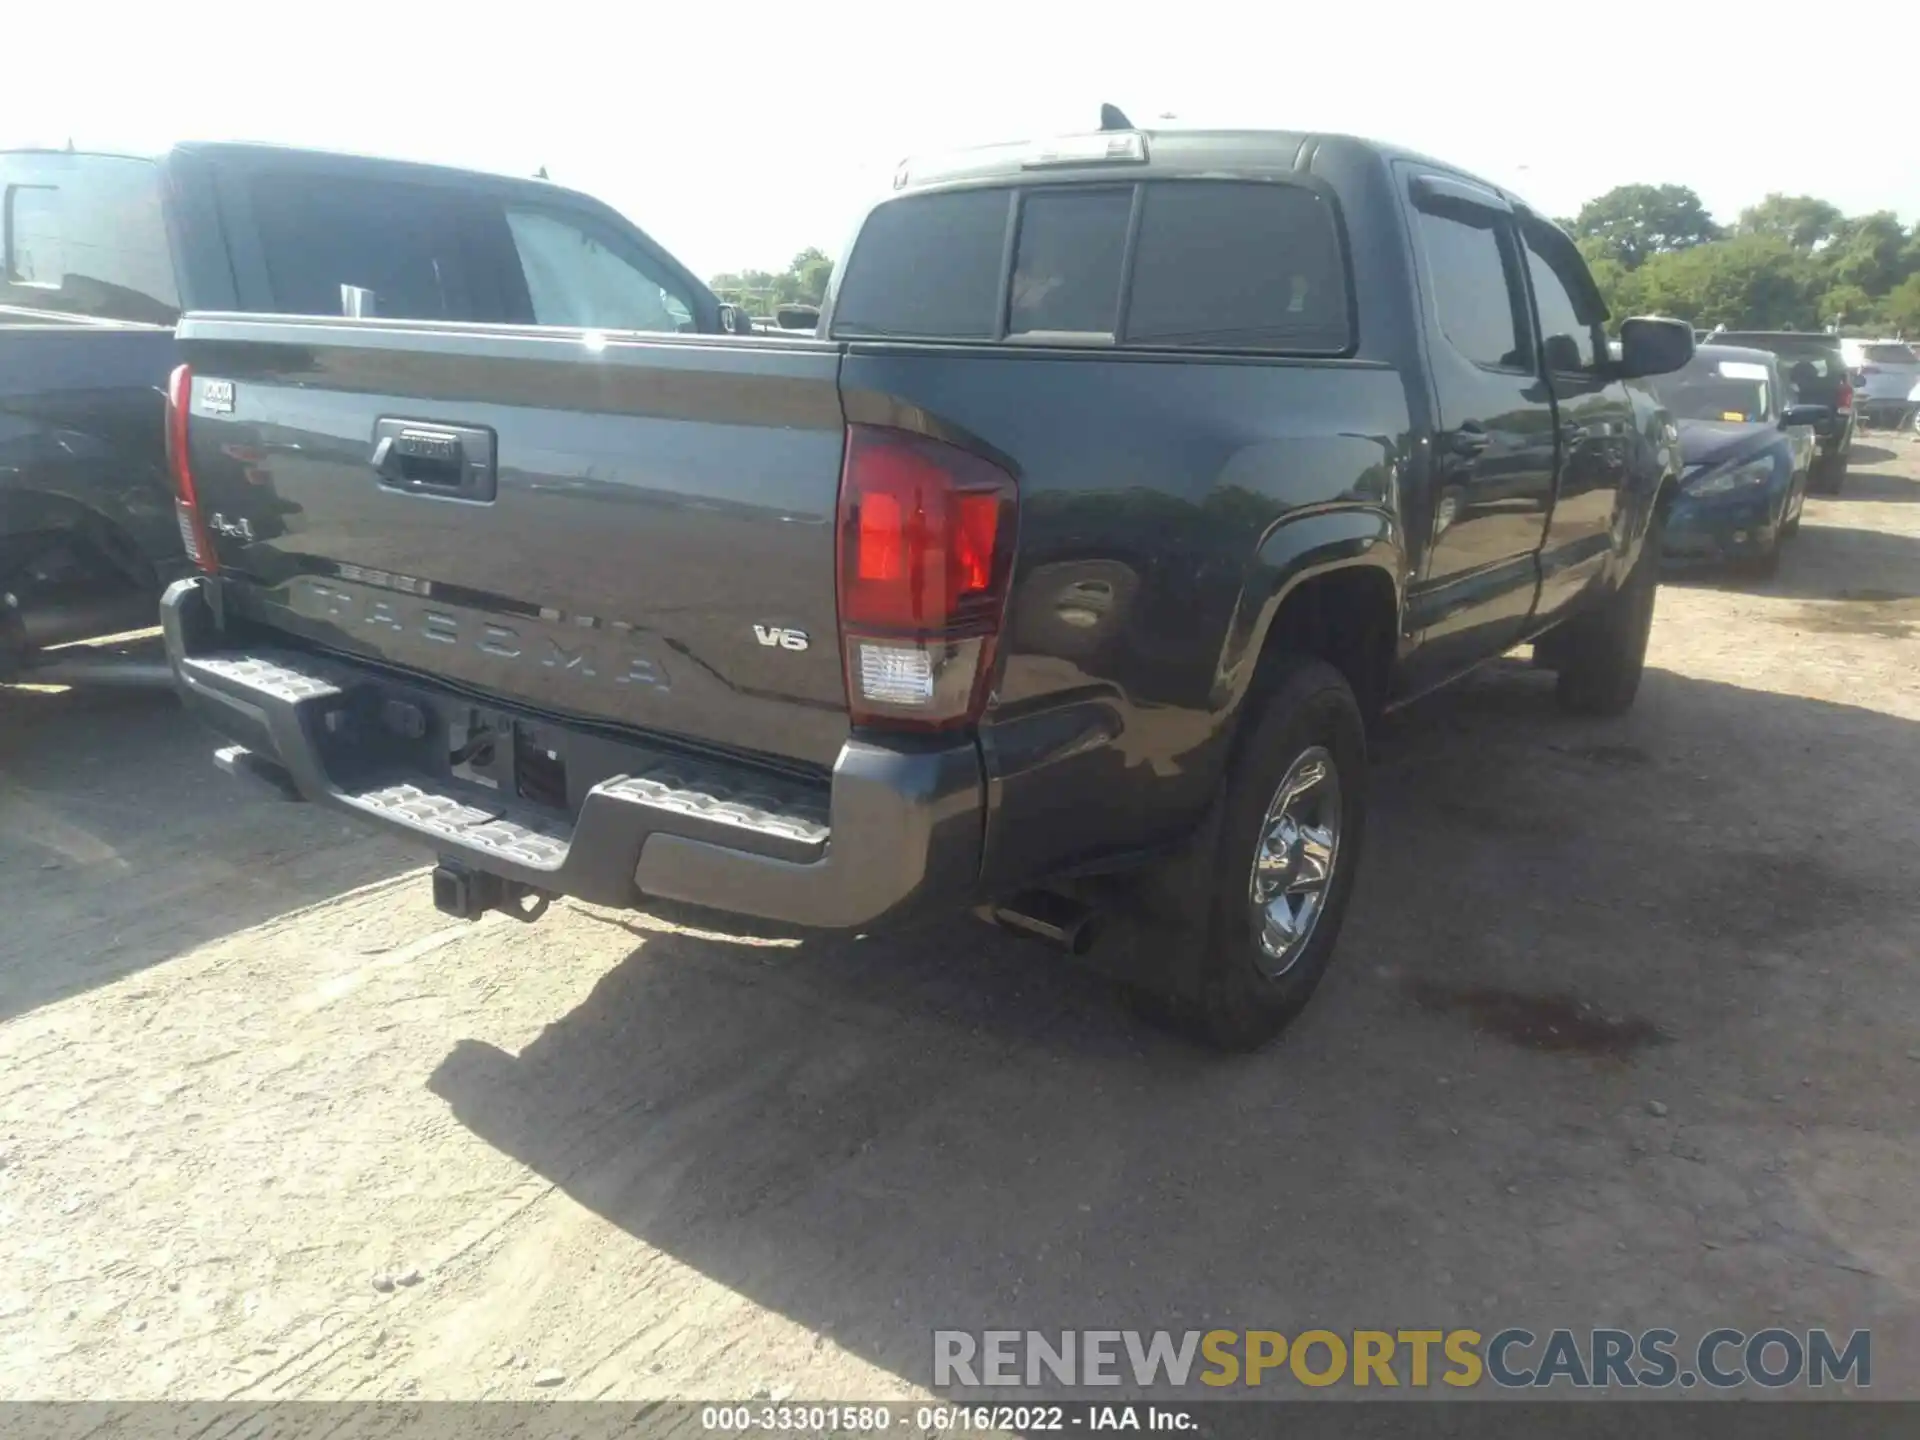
(925, 545)
(1845, 402)
(186, 504)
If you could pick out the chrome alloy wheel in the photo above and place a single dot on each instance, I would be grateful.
(1293, 865)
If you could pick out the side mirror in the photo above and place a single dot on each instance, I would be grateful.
(1797, 415)
(1650, 345)
(734, 320)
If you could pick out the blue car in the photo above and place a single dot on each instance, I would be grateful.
(1748, 447)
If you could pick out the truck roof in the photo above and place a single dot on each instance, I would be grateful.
(259, 149)
(1154, 152)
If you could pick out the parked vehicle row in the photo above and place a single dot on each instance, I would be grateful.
(1128, 479)
(103, 252)
(1816, 370)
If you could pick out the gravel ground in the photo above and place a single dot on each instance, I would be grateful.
(1625, 1030)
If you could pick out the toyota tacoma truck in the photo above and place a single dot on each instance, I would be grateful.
(1129, 476)
(102, 253)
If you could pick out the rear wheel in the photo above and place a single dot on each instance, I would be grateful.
(1829, 472)
(1600, 654)
(1293, 815)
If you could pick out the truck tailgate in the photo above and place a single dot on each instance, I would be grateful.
(623, 530)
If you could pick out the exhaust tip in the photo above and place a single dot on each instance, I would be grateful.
(1063, 923)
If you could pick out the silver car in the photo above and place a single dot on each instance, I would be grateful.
(1885, 374)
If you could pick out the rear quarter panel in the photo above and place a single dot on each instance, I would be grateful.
(1165, 504)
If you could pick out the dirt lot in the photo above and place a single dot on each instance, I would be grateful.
(1625, 1030)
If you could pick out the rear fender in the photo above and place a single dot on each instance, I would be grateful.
(1298, 549)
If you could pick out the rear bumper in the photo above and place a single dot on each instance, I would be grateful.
(896, 830)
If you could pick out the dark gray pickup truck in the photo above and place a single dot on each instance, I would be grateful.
(100, 253)
(1130, 476)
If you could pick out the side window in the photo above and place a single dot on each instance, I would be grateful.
(85, 234)
(1066, 271)
(928, 267)
(1571, 341)
(400, 243)
(573, 279)
(1470, 259)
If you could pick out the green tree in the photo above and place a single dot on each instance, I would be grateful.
(1747, 282)
(1866, 250)
(1633, 223)
(1847, 305)
(803, 282)
(1901, 307)
(1800, 220)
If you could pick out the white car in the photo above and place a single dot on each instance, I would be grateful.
(1885, 375)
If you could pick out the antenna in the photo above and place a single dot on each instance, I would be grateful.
(1112, 118)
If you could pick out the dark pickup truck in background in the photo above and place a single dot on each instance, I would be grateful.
(103, 252)
(1131, 474)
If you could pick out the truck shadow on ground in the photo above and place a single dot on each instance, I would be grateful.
(1555, 921)
(121, 846)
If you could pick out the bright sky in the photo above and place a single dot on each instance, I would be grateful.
(738, 134)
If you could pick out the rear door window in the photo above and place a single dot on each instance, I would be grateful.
(86, 235)
(927, 267)
(1238, 266)
(1891, 355)
(1476, 287)
(404, 247)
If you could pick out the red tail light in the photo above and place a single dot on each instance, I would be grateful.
(1845, 402)
(925, 553)
(186, 504)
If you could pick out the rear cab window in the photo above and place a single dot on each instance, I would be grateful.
(86, 235)
(1236, 265)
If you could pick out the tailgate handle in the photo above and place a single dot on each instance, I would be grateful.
(424, 457)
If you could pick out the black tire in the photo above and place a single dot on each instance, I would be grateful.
(1238, 997)
(1601, 653)
(1829, 473)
